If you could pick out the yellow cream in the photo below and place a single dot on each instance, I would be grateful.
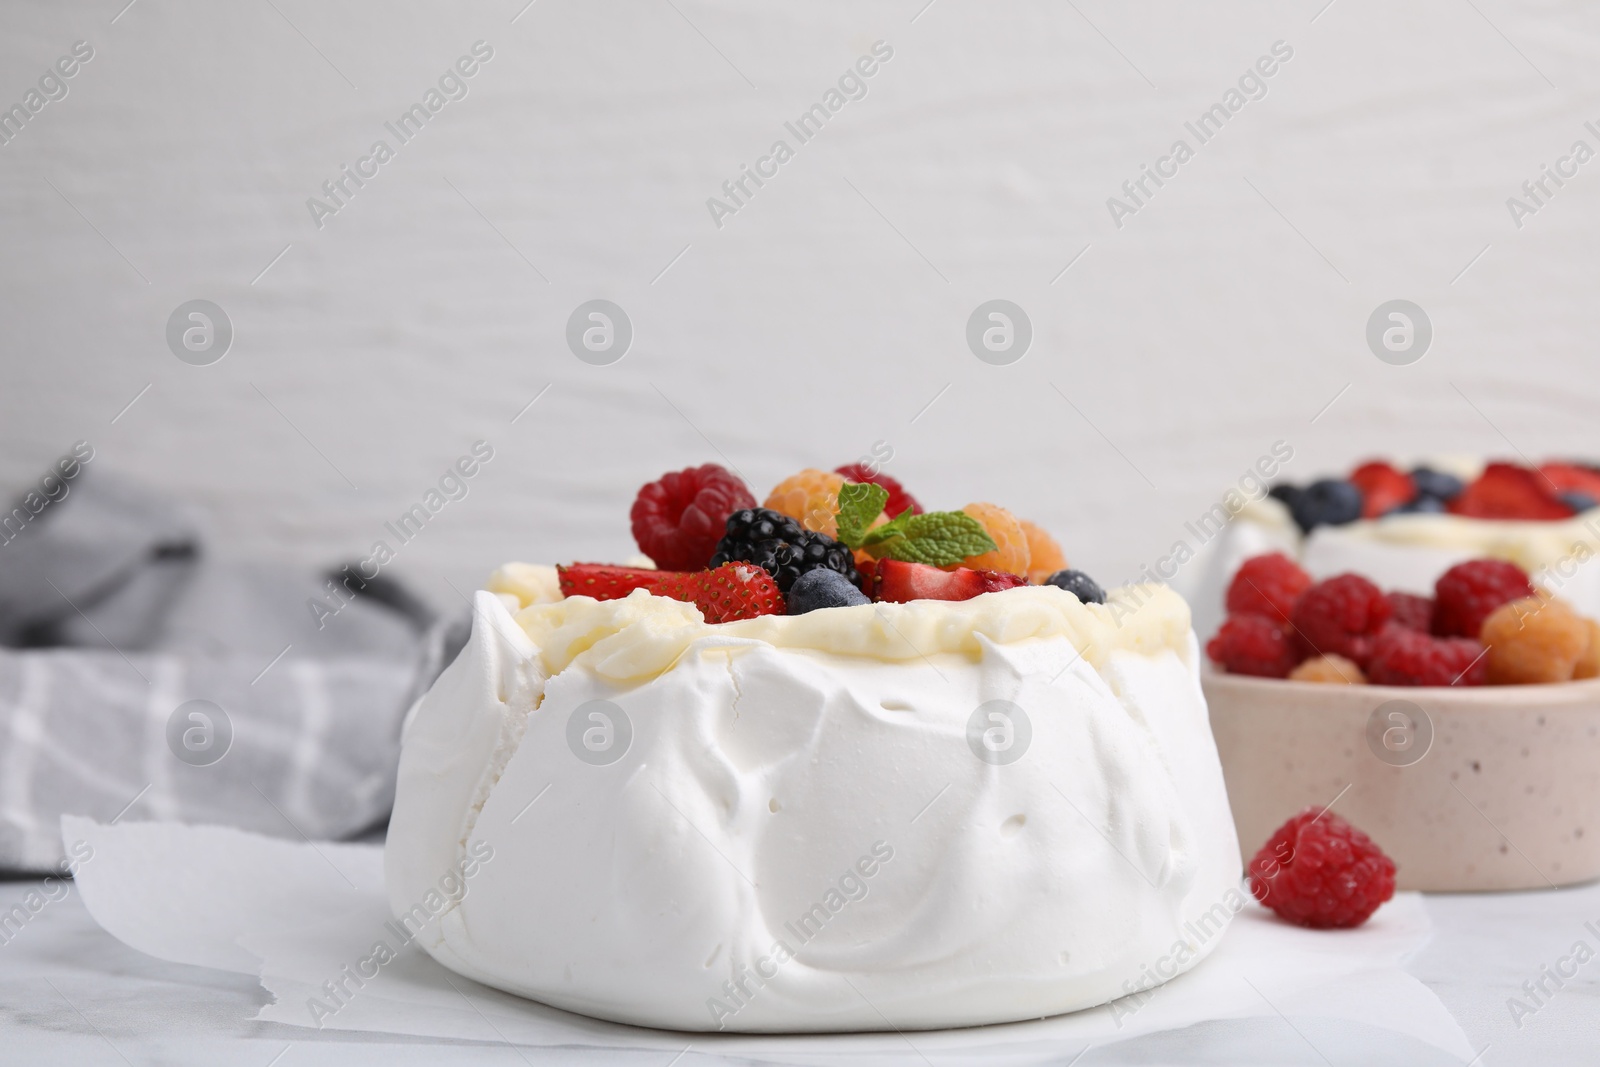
(640, 636)
(1530, 545)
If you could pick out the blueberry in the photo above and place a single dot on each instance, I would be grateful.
(1576, 500)
(1329, 502)
(1436, 484)
(823, 588)
(1079, 585)
(1284, 492)
(1423, 505)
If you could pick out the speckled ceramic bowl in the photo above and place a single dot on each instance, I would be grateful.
(1494, 787)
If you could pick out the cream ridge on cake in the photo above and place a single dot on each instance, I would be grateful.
(744, 797)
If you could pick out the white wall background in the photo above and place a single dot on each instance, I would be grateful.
(818, 320)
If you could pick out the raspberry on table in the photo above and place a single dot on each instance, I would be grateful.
(1410, 657)
(1012, 554)
(1340, 616)
(899, 500)
(1466, 594)
(1532, 640)
(678, 520)
(1319, 871)
(782, 547)
(1044, 553)
(1411, 612)
(811, 498)
(1267, 585)
(1329, 670)
(1254, 645)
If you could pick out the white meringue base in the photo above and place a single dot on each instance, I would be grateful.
(801, 840)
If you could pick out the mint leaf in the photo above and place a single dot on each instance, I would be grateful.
(937, 538)
(895, 527)
(859, 504)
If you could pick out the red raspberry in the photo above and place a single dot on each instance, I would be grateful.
(1319, 871)
(1253, 644)
(1340, 617)
(899, 499)
(1267, 585)
(1411, 611)
(1468, 593)
(678, 520)
(1409, 657)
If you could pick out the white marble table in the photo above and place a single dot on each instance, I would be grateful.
(70, 993)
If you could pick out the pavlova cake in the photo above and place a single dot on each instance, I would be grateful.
(832, 763)
(1404, 528)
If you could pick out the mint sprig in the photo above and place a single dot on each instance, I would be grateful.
(937, 538)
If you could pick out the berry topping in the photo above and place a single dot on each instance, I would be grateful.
(1253, 644)
(1466, 594)
(1382, 488)
(1422, 505)
(1340, 617)
(782, 547)
(1507, 491)
(1329, 502)
(899, 499)
(678, 520)
(811, 498)
(1411, 612)
(1534, 640)
(731, 591)
(823, 588)
(1328, 670)
(1267, 585)
(1079, 584)
(898, 582)
(1011, 552)
(1319, 871)
(1576, 499)
(1044, 554)
(1435, 485)
(1410, 657)
(1572, 478)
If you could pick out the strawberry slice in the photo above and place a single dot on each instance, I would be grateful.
(1383, 488)
(1571, 478)
(730, 592)
(898, 582)
(1507, 491)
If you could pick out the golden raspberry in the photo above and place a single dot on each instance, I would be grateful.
(1334, 670)
(1589, 663)
(1044, 554)
(1012, 555)
(811, 498)
(1533, 640)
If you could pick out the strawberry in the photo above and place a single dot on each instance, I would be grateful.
(731, 591)
(1507, 491)
(898, 582)
(1571, 478)
(1382, 488)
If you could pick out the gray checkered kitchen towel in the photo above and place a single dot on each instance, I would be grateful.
(140, 678)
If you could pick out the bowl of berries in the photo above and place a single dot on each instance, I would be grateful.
(1460, 730)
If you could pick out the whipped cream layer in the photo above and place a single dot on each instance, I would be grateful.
(801, 834)
(1401, 552)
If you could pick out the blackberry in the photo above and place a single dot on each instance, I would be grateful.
(782, 547)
